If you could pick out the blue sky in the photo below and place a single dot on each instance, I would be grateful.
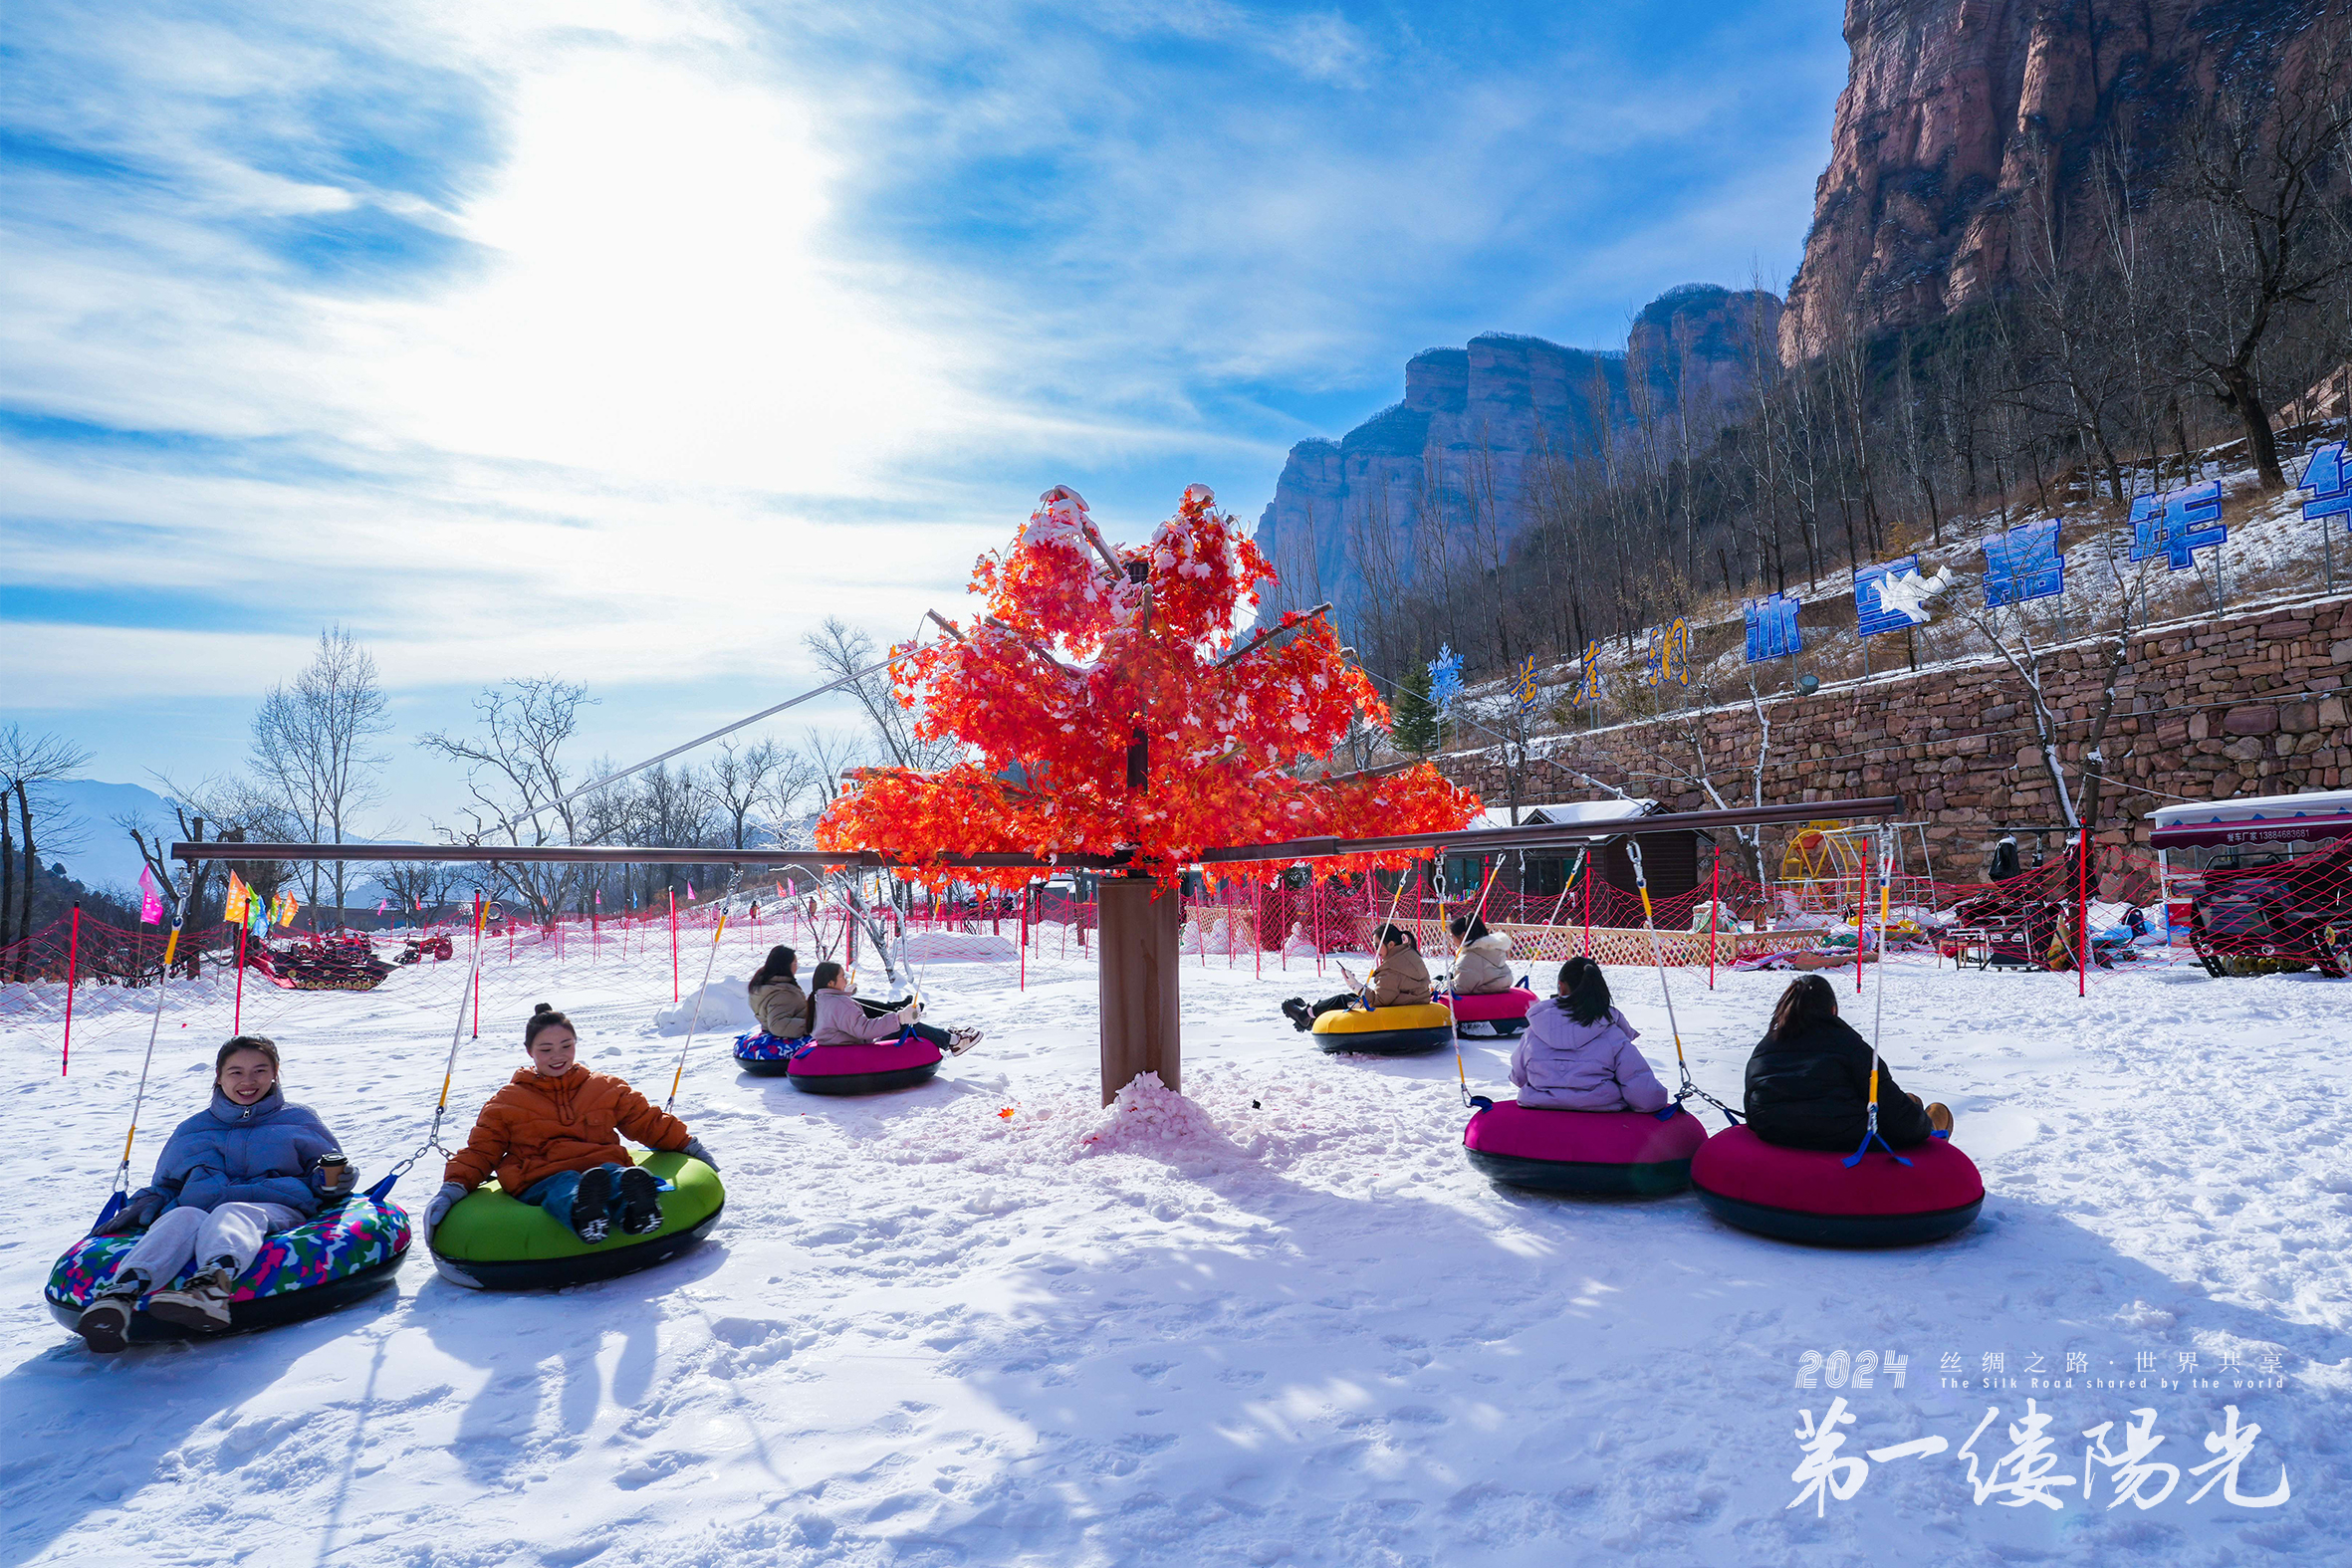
(623, 342)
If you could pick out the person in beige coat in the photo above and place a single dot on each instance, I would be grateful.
(1484, 964)
(1400, 979)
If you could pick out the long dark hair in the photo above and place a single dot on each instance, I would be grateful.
(1466, 928)
(823, 975)
(1585, 990)
(780, 963)
(1809, 999)
(543, 1018)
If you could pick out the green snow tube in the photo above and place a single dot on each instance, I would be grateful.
(490, 1241)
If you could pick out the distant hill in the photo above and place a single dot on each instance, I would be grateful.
(94, 851)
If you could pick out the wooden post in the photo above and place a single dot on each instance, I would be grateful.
(1139, 960)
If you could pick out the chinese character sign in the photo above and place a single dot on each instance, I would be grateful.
(2025, 563)
(1669, 656)
(1523, 684)
(1771, 628)
(1587, 675)
(2178, 523)
(2329, 480)
(1892, 598)
(1445, 678)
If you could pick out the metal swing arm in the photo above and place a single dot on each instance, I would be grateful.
(1560, 836)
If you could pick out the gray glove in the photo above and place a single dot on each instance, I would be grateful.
(438, 1210)
(695, 1151)
(140, 1211)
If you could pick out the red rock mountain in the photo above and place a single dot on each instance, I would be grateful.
(1950, 105)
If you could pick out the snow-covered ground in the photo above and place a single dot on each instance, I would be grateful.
(1302, 1330)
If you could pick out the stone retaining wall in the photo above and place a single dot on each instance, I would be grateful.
(2249, 705)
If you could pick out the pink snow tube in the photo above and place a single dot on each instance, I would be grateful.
(1810, 1195)
(1588, 1152)
(1495, 1007)
(863, 1069)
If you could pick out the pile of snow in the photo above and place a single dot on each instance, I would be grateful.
(725, 1005)
(1148, 1112)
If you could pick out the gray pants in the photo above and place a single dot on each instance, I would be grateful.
(229, 1235)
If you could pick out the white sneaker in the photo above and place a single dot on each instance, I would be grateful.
(961, 1040)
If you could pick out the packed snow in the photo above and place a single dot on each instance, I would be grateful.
(1274, 1319)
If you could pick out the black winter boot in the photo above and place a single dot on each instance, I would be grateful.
(640, 1202)
(1296, 1010)
(590, 1220)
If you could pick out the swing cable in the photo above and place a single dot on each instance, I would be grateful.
(432, 1139)
(1658, 957)
(1453, 1024)
(694, 1022)
(119, 1192)
(1870, 1132)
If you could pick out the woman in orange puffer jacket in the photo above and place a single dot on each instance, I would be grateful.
(552, 1136)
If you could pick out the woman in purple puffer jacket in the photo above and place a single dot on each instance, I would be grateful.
(1578, 1052)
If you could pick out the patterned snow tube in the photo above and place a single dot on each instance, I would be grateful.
(864, 1070)
(490, 1241)
(327, 1261)
(1809, 1195)
(1505, 1011)
(1386, 1032)
(1589, 1153)
(765, 1057)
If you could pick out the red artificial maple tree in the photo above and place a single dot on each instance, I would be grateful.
(1106, 708)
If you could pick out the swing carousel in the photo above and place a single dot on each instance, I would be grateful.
(1114, 725)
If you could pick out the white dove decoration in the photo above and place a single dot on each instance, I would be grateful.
(1906, 593)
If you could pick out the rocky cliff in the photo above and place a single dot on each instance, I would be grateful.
(1451, 471)
(1953, 108)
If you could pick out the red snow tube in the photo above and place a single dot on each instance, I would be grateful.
(1809, 1195)
(863, 1069)
(1506, 1010)
(1588, 1152)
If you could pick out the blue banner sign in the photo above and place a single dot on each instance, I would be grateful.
(2178, 523)
(1771, 628)
(2025, 563)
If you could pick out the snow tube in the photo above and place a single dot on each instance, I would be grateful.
(1593, 1153)
(1809, 1195)
(765, 1057)
(1386, 1032)
(490, 1241)
(864, 1070)
(326, 1262)
(1506, 1011)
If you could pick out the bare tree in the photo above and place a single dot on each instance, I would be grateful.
(28, 763)
(518, 777)
(842, 650)
(310, 745)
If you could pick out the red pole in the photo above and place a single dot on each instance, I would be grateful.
(1713, 904)
(2082, 928)
(1862, 924)
(1314, 914)
(477, 966)
(237, 1012)
(1588, 898)
(673, 945)
(73, 967)
(1026, 889)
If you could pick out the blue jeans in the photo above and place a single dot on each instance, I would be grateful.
(555, 1193)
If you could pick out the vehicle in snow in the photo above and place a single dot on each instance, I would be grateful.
(2269, 884)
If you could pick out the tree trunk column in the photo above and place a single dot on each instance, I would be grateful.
(1139, 954)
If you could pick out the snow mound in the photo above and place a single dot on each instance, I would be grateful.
(725, 1005)
(1149, 1113)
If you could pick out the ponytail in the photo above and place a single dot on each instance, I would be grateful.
(818, 981)
(1585, 990)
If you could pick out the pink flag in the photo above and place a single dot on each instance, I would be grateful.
(384, 905)
(689, 892)
(150, 902)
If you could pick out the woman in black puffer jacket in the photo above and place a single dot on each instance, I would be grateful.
(1808, 1082)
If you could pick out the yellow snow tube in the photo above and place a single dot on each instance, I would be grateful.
(1386, 1032)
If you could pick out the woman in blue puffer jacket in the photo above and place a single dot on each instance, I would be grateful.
(244, 1166)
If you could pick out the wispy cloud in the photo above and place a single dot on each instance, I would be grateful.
(532, 337)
